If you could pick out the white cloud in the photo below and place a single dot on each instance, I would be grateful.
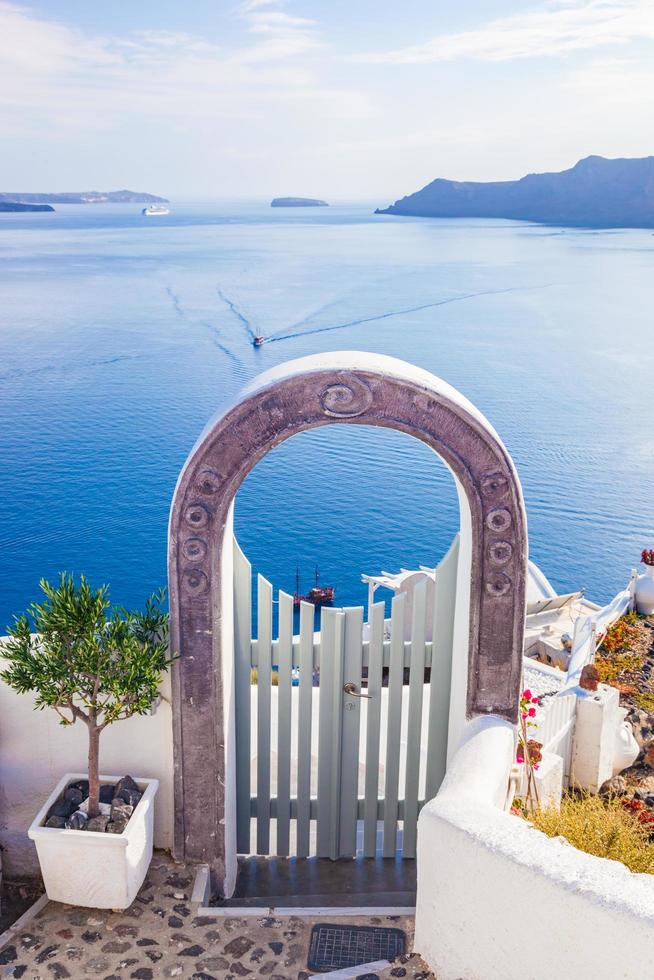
(285, 35)
(559, 27)
(278, 109)
(66, 76)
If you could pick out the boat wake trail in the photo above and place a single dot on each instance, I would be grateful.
(215, 335)
(237, 313)
(174, 299)
(409, 309)
(69, 367)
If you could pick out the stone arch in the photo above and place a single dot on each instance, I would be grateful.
(347, 387)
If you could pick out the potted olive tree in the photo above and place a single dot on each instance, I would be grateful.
(95, 666)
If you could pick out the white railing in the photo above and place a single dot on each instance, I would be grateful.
(556, 729)
(590, 629)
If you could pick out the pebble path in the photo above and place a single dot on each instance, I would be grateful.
(164, 935)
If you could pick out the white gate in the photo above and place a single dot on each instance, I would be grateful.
(341, 735)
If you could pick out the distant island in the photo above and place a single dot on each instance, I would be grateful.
(85, 197)
(595, 193)
(298, 202)
(20, 206)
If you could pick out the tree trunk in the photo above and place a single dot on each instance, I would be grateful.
(94, 780)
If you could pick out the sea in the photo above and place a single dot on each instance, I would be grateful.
(122, 335)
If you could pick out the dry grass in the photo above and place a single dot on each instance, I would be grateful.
(602, 827)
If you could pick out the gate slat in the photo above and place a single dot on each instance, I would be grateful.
(242, 689)
(307, 612)
(374, 690)
(264, 681)
(395, 677)
(350, 732)
(337, 730)
(441, 669)
(414, 728)
(284, 710)
(329, 726)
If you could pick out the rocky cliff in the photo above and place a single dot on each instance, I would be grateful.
(596, 192)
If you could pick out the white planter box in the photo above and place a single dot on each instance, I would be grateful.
(96, 870)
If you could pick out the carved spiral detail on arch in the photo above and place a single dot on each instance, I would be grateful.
(500, 552)
(346, 399)
(195, 582)
(498, 584)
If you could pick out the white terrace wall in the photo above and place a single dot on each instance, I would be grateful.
(35, 751)
(498, 900)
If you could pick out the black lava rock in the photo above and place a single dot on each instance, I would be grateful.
(8, 955)
(125, 783)
(127, 790)
(116, 826)
(77, 821)
(195, 950)
(58, 822)
(74, 795)
(120, 810)
(107, 794)
(98, 824)
(82, 785)
(62, 808)
(130, 796)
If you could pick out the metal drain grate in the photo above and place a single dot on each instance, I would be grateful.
(335, 947)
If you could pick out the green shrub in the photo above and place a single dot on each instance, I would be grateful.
(86, 664)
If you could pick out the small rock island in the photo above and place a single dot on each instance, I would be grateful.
(19, 206)
(297, 202)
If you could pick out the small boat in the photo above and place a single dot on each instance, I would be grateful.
(258, 341)
(319, 595)
(155, 209)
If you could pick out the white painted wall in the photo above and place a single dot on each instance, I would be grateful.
(498, 900)
(35, 752)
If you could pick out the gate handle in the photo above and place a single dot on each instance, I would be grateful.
(351, 689)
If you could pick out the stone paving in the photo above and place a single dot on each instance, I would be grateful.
(163, 935)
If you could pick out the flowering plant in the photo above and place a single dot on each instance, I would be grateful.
(641, 812)
(529, 750)
(647, 556)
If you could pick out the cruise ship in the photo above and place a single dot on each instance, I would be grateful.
(155, 209)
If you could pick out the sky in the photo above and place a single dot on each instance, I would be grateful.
(338, 99)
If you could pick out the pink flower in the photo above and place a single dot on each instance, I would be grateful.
(534, 700)
(520, 758)
(535, 766)
(526, 694)
(523, 715)
(532, 712)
